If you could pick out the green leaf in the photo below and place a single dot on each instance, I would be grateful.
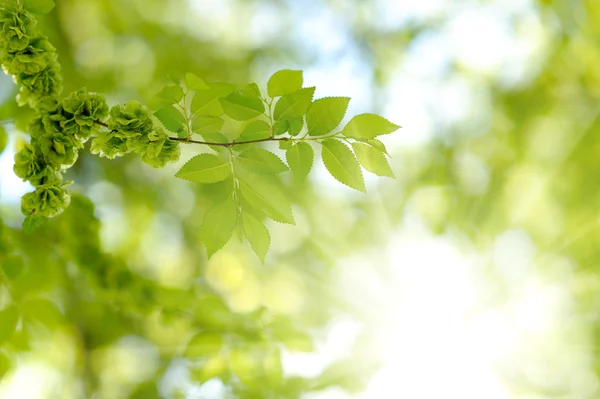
(285, 144)
(241, 106)
(296, 126)
(215, 137)
(294, 105)
(171, 118)
(38, 6)
(252, 90)
(218, 224)
(368, 126)
(32, 223)
(326, 114)
(207, 124)
(204, 343)
(280, 127)
(43, 311)
(266, 197)
(259, 160)
(194, 82)
(9, 318)
(284, 82)
(342, 164)
(255, 130)
(372, 159)
(9, 4)
(5, 364)
(300, 157)
(205, 168)
(169, 95)
(378, 144)
(206, 102)
(3, 139)
(257, 234)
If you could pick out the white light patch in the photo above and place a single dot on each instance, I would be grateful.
(480, 39)
(11, 186)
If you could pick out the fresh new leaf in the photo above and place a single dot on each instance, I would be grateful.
(285, 144)
(295, 126)
(368, 126)
(266, 197)
(169, 95)
(205, 168)
(259, 160)
(38, 6)
(215, 137)
(171, 118)
(372, 159)
(284, 82)
(194, 82)
(280, 127)
(32, 223)
(218, 224)
(300, 157)
(207, 125)
(326, 114)
(252, 90)
(342, 164)
(241, 106)
(255, 130)
(257, 234)
(378, 144)
(294, 105)
(207, 102)
(9, 317)
(204, 343)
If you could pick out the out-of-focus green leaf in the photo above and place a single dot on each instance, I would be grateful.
(9, 317)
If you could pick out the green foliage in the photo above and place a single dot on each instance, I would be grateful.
(56, 279)
(208, 102)
(171, 118)
(258, 160)
(38, 6)
(9, 317)
(284, 82)
(243, 105)
(205, 168)
(300, 157)
(294, 105)
(342, 164)
(3, 138)
(368, 126)
(255, 130)
(265, 196)
(218, 224)
(372, 159)
(326, 114)
(257, 234)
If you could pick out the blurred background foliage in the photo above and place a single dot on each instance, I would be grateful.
(473, 274)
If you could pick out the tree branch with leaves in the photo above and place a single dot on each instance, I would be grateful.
(230, 120)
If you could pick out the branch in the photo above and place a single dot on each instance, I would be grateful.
(234, 143)
(186, 140)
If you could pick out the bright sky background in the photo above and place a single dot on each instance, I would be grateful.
(437, 334)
